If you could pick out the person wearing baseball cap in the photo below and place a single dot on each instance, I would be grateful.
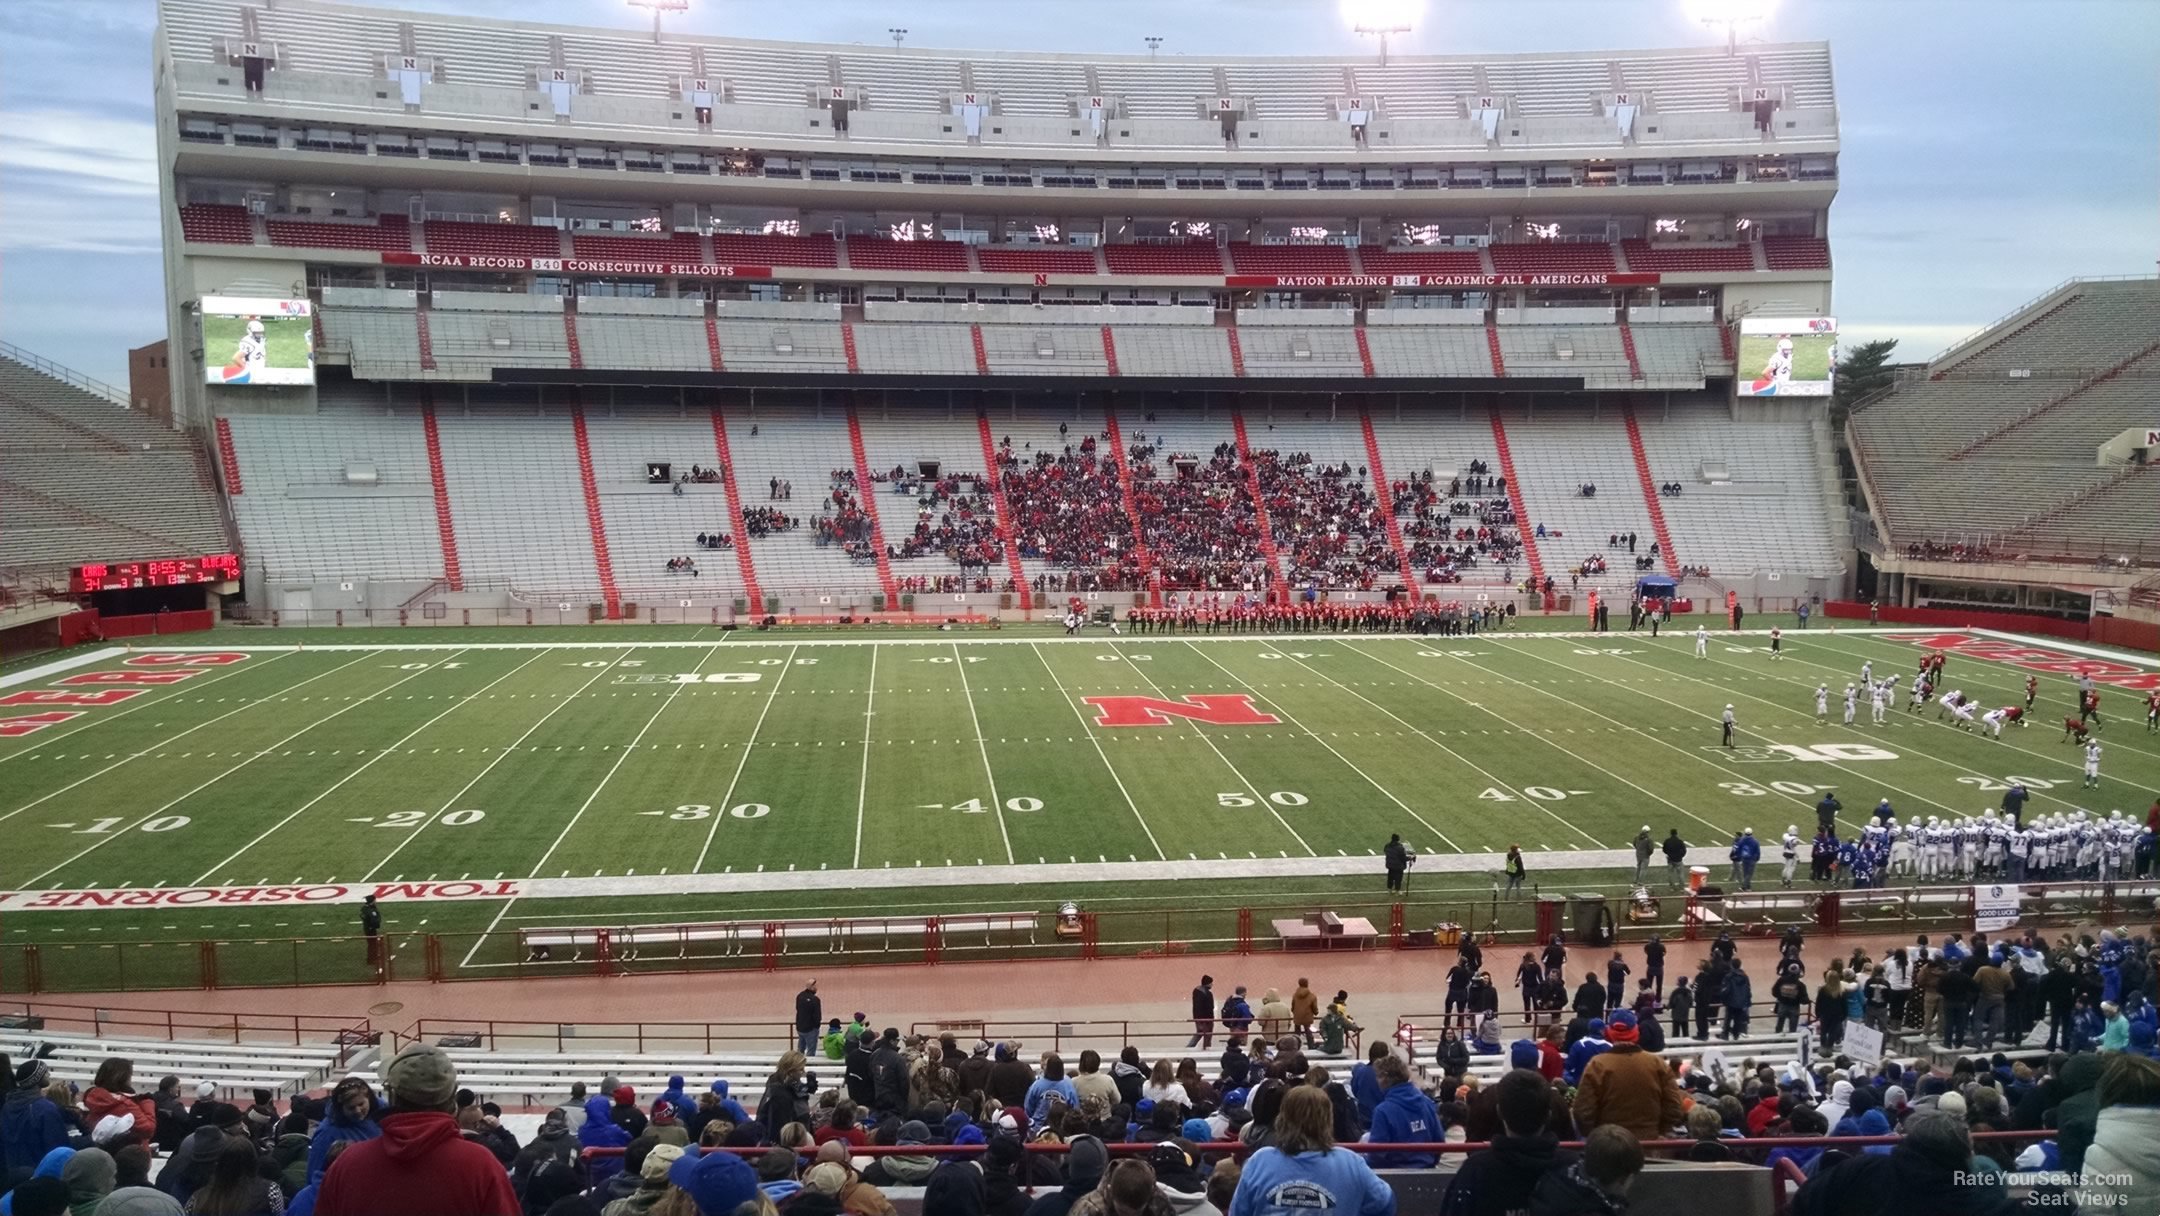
(420, 1163)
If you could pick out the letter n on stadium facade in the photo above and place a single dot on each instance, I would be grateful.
(1218, 709)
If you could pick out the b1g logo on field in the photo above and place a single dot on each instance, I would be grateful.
(1215, 709)
(1836, 753)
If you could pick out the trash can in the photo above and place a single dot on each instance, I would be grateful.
(1591, 921)
(1548, 919)
(1697, 876)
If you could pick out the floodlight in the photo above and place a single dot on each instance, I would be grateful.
(1381, 18)
(1730, 15)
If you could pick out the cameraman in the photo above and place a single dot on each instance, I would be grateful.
(1399, 859)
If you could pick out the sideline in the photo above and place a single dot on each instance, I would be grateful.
(847, 879)
(31, 675)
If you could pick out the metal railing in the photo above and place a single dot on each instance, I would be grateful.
(100, 1021)
(67, 375)
(1949, 353)
(700, 1038)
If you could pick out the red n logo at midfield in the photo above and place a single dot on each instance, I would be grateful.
(1218, 709)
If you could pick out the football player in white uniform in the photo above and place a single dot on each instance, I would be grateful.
(1878, 701)
(1790, 847)
(1702, 642)
(1867, 671)
(1994, 719)
(1963, 711)
(1822, 702)
(1902, 849)
(1852, 703)
(2092, 765)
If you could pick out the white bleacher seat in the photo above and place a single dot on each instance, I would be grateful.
(648, 524)
(911, 350)
(1772, 516)
(1553, 457)
(301, 517)
(804, 448)
(518, 499)
(643, 343)
(1429, 352)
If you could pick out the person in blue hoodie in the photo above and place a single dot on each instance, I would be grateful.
(1587, 1048)
(349, 1114)
(674, 1096)
(48, 1166)
(1404, 1115)
(729, 1107)
(1807, 1121)
(1747, 851)
(1865, 1118)
(1304, 1169)
(1365, 1086)
(602, 1132)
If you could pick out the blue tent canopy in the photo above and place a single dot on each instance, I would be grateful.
(1657, 587)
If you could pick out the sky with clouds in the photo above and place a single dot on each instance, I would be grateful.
(1991, 148)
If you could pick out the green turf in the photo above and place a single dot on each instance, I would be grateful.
(584, 756)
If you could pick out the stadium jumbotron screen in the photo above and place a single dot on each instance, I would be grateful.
(257, 341)
(1787, 356)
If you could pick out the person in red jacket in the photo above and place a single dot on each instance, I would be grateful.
(420, 1163)
(1551, 1060)
(112, 1092)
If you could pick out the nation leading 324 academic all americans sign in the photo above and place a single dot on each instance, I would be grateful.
(709, 270)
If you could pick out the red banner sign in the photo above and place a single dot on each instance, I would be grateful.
(319, 893)
(663, 270)
(1441, 280)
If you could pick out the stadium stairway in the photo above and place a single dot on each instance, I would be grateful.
(1506, 466)
(866, 494)
(1649, 490)
(1132, 509)
(1383, 489)
(1276, 588)
(744, 563)
(647, 524)
(606, 568)
(228, 459)
(1627, 346)
(445, 523)
(2054, 403)
(1553, 458)
(1004, 508)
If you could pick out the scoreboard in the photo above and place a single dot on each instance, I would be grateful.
(164, 572)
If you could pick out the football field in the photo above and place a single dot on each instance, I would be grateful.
(672, 775)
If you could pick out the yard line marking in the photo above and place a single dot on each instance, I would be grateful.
(250, 759)
(1385, 791)
(1738, 776)
(982, 747)
(1100, 754)
(862, 788)
(1258, 797)
(743, 763)
(1556, 696)
(625, 754)
(147, 750)
(1858, 730)
(242, 850)
(499, 758)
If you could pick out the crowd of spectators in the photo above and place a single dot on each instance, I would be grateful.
(1198, 518)
(761, 522)
(1068, 511)
(682, 565)
(955, 518)
(848, 524)
(1326, 523)
(717, 539)
(1447, 534)
(1951, 551)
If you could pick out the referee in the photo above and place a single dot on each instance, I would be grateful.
(1728, 726)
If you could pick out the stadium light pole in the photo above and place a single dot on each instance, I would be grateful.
(899, 34)
(1730, 15)
(658, 7)
(1154, 43)
(1382, 32)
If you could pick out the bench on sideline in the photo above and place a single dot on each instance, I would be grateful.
(840, 935)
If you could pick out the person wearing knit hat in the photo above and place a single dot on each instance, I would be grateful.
(1627, 1086)
(659, 1159)
(717, 1183)
(420, 1162)
(1523, 1053)
(89, 1176)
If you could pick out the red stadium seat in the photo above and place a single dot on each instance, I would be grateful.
(1558, 257)
(216, 224)
(1421, 261)
(753, 249)
(1676, 259)
(874, 253)
(388, 233)
(1029, 259)
(1796, 252)
(459, 239)
(1289, 259)
(672, 247)
(1194, 257)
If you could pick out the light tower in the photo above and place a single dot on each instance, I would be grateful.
(658, 7)
(1730, 15)
(1154, 43)
(1381, 19)
(898, 33)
